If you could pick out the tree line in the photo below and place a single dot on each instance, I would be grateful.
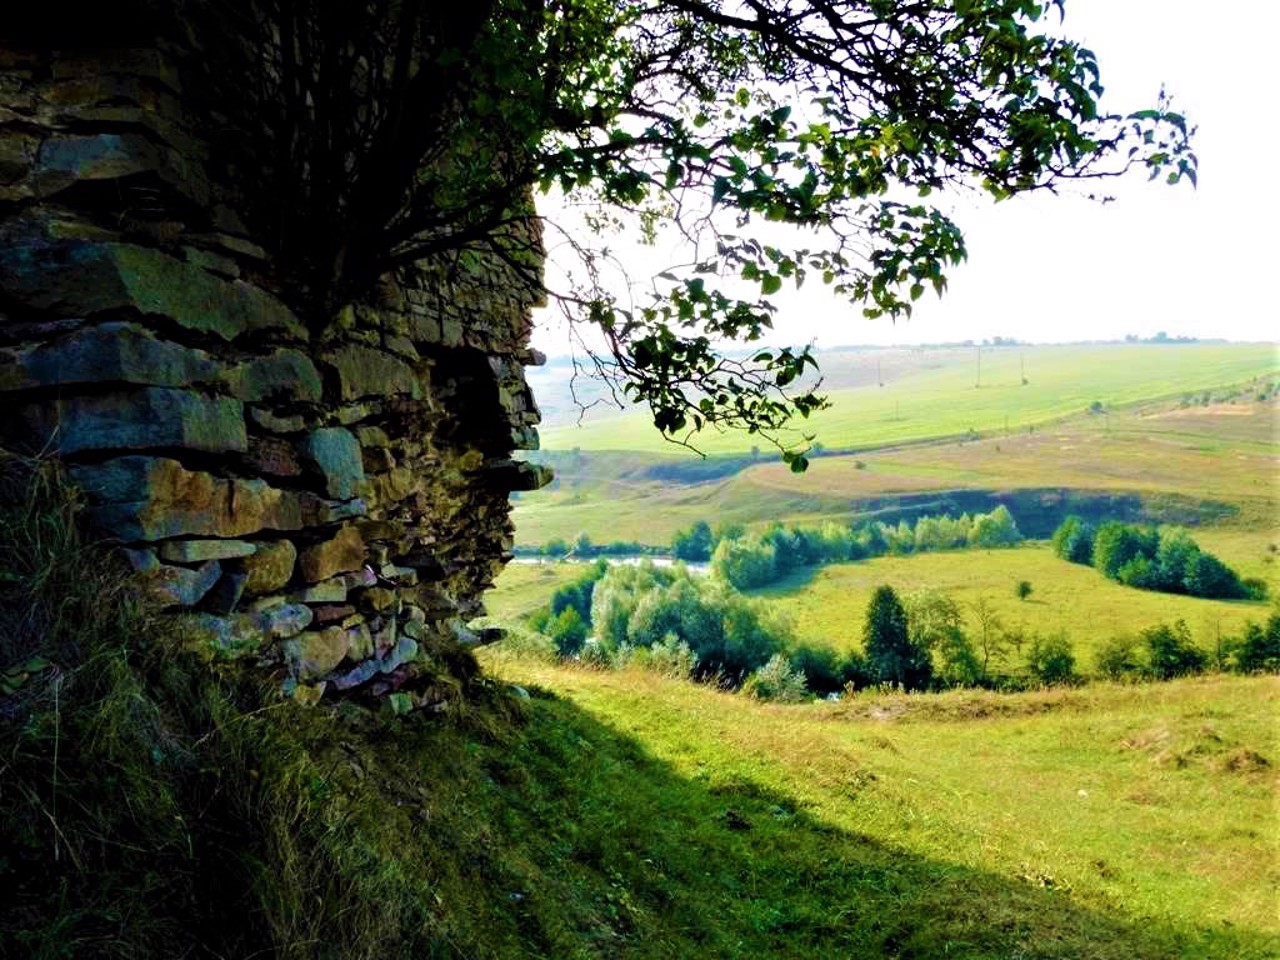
(749, 561)
(1146, 559)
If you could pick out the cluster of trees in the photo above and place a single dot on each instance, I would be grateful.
(1165, 652)
(666, 620)
(584, 548)
(1142, 557)
(920, 642)
(751, 561)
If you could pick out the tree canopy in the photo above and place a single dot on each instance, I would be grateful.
(363, 136)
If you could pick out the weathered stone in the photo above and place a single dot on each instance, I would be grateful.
(376, 459)
(379, 599)
(285, 621)
(344, 552)
(270, 567)
(353, 413)
(146, 419)
(282, 375)
(104, 156)
(395, 485)
(372, 437)
(332, 612)
(317, 512)
(516, 475)
(155, 498)
(366, 372)
(197, 551)
(381, 529)
(184, 587)
(360, 641)
(316, 653)
(403, 576)
(107, 353)
(78, 277)
(362, 672)
(273, 456)
(226, 593)
(335, 454)
(273, 423)
(141, 561)
(330, 591)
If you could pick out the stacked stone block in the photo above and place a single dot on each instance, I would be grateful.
(329, 499)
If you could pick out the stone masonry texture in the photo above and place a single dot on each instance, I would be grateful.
(327, 501)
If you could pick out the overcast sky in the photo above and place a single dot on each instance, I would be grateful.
(1051, 269)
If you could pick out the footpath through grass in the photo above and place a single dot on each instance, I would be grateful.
(1103, 822)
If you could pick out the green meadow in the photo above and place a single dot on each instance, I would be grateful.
(1096, 821)
(828, 604)
(1108, 822)
(941, 392)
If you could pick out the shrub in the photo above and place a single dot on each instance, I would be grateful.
(1119, 658)
(671, 657)
(820, 666)
(745, 564)
(1051, 660)
(1259, 649)
(568, 632)
(959, 664)
(693, 543)
(995, 529)
(1171, 652)
(1023, 589)
(776, 681)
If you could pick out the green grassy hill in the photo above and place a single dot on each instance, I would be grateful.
(940, 393)
(1108, 822)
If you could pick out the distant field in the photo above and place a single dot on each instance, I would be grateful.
(932, 393)
(1109, 822)
(828, 604)
(1226, 452)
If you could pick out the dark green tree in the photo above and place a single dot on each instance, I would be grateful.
(1117, 544)
(891, 655)
(1073, 540)
(693, 543)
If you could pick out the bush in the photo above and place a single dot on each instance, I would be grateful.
(1120, 658)
(776, 681)
(568, 632)
(820, 667)
(1259, 649)
(1023, 589)
(1171, 652)
(1051, 660)
(959, 664)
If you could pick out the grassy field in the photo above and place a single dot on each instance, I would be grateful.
(1106, 822)
(934, 394)
(1227, 452)
(828, 604)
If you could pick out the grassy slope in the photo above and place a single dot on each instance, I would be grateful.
(1110, 822)
(936, 396)
(829, 604)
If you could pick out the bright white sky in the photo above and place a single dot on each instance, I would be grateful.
(1052, 269)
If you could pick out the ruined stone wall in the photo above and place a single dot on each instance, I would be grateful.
(331, 504)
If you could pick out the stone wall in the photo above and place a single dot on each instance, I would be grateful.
(330, 502)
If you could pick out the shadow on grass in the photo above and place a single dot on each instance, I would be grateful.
(607, 852)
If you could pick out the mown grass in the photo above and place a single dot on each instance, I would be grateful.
(937, 397)
(828, 604)
(1129, 821)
